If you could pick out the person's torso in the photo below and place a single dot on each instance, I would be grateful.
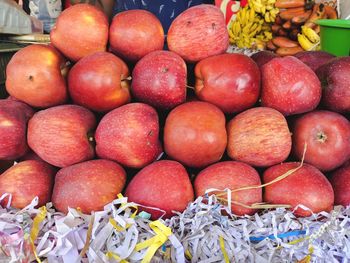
(165, 10)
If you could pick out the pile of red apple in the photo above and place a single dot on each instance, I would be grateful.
(84, 123)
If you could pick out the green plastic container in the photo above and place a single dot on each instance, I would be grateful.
(335, 36)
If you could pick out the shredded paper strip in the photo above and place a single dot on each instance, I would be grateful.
(245, 51)
(205, 232)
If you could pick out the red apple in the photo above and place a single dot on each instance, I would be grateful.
(289, 86)
(231, 175)
(25, 181)
(259, 136)
(340, 181)
(159, 79)
(335, 79)
(61, 135)
(195, 134)
(14, 116)
(36, 75)
(314, 59)
(198, 33)
(99, 82)
(327, 136)
(306, 186)
(229, 81)
(135, 33)
(262, 57)
(164, 185)
(129, 135)
(80, 30)
(88, 185)
(24, 108)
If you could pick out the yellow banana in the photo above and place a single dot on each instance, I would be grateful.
(230, 27)
(259, 28)
(259, 2)
(259, 44)
(247, 27)
(253, 27)
(272, 17)
(257, 19)
(260, 37)
(256, 40)
(305, 43)
(231, 34)
(268, 35)
(251, 14)
(237, 28)
(238, 16)
(310, 34)
(275, 11)
(247, 42)
(258, 9)
(255, 31)
(240, 43)
(267, 17)
(257, 5)
(247, 17)
(243, 16)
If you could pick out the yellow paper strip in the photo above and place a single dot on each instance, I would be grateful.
(36, 228)
(222, 246)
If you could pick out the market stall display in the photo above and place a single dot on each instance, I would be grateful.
(128, 153)
(284, 26)
(13, 20)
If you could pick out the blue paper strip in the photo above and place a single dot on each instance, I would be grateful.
(283, 235)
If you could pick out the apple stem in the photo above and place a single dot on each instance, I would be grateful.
(321, 137)
(65, 68)
(90, 137)
(128, 78)
(189, 87)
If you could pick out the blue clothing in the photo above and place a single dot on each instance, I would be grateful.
(165, 10)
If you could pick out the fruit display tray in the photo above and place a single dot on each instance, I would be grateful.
(62, 194)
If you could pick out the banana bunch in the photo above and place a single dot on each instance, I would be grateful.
(309, 39)
(266, 8)
(249, 30)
